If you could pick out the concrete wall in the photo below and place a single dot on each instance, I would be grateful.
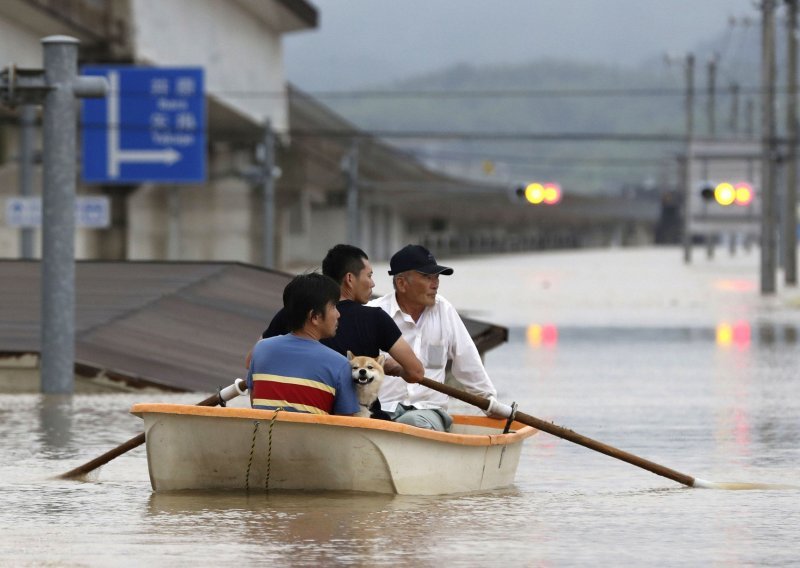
(20, 374)
(217, 34)
(19, 44)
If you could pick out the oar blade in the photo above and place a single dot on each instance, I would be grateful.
(741, 485)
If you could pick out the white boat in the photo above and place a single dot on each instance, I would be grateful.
(211, 448)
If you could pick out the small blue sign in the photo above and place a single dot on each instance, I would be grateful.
(91, 212)
(151, 127)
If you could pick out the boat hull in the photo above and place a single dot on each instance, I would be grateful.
(192, 447)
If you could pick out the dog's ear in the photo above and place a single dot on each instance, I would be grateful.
(381, 358)
(350, 355)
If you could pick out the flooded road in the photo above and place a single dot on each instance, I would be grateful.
(685, 366)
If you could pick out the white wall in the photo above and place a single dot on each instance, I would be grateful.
(242, 56)
(19, 44)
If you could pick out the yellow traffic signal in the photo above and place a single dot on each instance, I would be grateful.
(727, 193)
(539, 193)
(724, 193)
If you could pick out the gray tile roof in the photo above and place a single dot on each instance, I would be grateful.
(177, 325)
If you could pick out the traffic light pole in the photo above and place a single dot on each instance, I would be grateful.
(790, 204)
(712, 97)
(768, 149)
(687, 237)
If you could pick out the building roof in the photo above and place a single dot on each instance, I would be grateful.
(184, 326)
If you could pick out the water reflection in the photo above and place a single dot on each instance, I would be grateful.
(737, 334)
(317, 524)
(542, 335)
(55, 424)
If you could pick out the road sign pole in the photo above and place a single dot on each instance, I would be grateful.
(27, 122)
(58, 216)
(55, 88)
(58, 210)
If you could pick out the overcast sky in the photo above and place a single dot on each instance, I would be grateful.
(371, 42)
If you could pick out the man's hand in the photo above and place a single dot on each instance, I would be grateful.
(408, 366)
(392, 367)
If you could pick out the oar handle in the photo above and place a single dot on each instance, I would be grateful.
(232, 391)
(565, 433)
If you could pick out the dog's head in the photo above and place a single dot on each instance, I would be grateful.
(365, 369)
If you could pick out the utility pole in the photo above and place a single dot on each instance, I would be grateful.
(711, 238)
(712, 92)
(687, 237)
(55, 88)
(768, 148)
(350, 164)
(790, 204)
(268, 182)
(27, 123)
(734, 117)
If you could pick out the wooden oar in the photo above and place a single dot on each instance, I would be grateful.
(232, 391)
(566, 434)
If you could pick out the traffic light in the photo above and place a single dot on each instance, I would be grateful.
(726, 193)
(540, 193)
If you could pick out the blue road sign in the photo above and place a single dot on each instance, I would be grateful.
(150, 127)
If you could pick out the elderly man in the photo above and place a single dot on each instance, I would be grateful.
(434, 330)
(295, 372)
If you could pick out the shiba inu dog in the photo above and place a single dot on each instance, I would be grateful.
(367, 375)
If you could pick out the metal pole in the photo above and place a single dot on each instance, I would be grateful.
(268, 230)
(687, 237)
(734, 118)
(712, 89)
(174, 251)
(27, 122)
(790, 205)
(58, 216)
(353, 234)
(768, 236)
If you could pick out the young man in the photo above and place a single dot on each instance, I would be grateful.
(295, 372)
(434, 330)
(362, 330)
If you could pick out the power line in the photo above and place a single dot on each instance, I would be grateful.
(648, 92)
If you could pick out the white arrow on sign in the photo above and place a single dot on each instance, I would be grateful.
(166, 156)
(117, 155)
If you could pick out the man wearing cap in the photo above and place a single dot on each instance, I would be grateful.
(434, 330)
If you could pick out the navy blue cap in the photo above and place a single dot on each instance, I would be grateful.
(416, 257)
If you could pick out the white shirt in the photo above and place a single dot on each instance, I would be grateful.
(437, 337)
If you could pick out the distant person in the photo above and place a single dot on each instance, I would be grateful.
(363, 330)
(295, 372)
(433, 328)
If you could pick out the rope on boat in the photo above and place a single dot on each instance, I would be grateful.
(250, 461)
(269, 449)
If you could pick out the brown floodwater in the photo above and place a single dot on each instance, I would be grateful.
(708, 387)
